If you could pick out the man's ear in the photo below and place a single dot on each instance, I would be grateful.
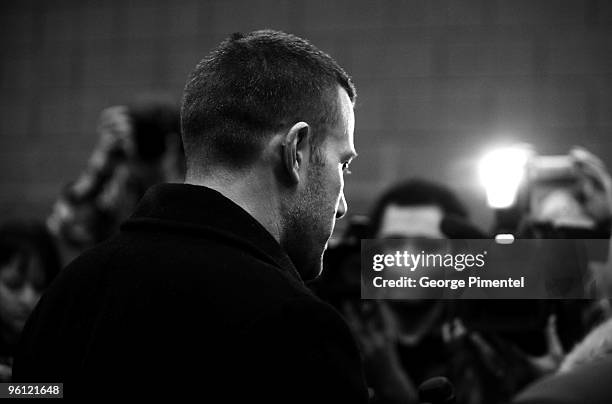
(295, 149)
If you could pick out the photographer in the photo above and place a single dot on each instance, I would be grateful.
(405, 342)
(579, 380)
(139, 145)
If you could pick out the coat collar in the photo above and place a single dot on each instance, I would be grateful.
(202, 210)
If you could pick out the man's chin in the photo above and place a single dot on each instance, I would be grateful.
(309, 259)
(312, 271)
(312, 268)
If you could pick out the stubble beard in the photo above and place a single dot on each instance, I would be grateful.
(307, 230)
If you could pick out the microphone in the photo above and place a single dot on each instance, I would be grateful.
(437, 390)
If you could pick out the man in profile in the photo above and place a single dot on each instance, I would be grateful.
(202, 292)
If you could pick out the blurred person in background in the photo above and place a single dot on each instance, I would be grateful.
(573, 210)
(402, 341)
(582, 373)
(139, 145)
(28, 263)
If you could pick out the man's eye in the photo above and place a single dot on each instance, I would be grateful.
(345, 168)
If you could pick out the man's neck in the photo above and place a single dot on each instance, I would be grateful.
(251, 191)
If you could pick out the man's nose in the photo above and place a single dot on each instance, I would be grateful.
(342, 207)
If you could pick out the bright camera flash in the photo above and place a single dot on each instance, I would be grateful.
(504, 238)
(501, 172)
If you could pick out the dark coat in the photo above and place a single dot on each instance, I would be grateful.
(192, 297)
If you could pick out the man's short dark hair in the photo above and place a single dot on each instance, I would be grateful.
(417, 192)
(253, 85)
